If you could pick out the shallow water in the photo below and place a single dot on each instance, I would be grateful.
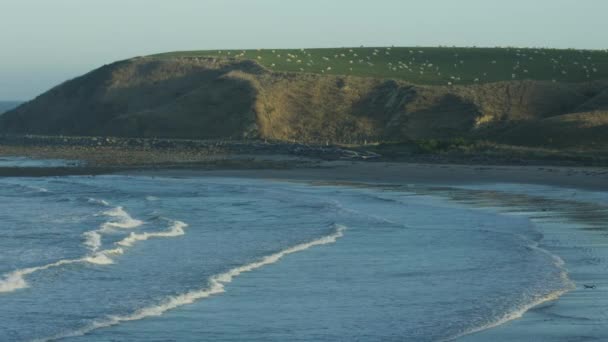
(166, 259)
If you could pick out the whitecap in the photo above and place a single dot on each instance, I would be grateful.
(92, 240)
(216, 286)
(177, 229)
(98, 202)
(122, 219)
(16, 280)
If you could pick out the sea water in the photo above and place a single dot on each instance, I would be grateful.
(135, 258)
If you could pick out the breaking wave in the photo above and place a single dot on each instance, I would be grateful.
(177, 229)
(535, 301)
(215, 286)
(121, 220)
(16, 280)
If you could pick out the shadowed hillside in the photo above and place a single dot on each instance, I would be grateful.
(8, 105)
(206, 97)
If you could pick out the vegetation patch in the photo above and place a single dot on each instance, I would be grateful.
(429, 65)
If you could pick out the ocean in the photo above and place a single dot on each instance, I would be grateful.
(138, 258)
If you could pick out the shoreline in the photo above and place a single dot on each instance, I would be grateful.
(559, 317)
(542, 315)
(590, 178)
(581, 243)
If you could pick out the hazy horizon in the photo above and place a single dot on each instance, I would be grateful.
(51, 42)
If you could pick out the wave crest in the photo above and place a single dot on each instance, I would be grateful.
(216, 286)
(177, 229)
(16, 280)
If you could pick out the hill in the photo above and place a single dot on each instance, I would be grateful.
(429, 65)
(240, 96)
(8, 105)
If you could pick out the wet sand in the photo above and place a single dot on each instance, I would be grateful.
(406, 173)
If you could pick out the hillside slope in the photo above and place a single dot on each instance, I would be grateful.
(207, 97)
(8, 105)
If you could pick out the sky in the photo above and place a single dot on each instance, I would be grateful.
(46, 42)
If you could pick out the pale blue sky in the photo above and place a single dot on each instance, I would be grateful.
(45, 42)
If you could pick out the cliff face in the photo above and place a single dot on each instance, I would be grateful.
(222, 98)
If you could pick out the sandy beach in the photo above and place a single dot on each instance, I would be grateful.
(589, 178)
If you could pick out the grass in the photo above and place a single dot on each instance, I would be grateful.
(430, 65)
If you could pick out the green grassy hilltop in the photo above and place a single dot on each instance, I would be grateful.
(430, 65)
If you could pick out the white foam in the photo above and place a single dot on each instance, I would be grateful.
(99, 259)
(177, 229)
(119, 219)
(510, 316)
(98, 201)
(12, 282)
(16, 280)
(216, 286)
(569, 285)
(92, 240)
(122, 219)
